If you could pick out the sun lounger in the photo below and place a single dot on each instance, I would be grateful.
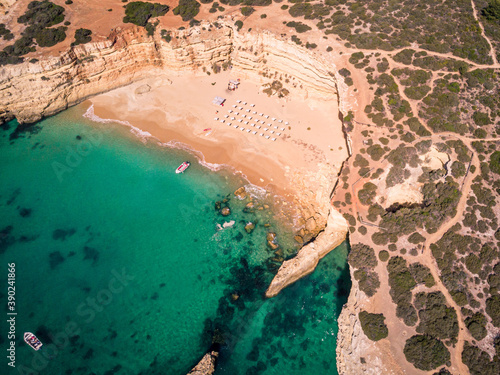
(254, 112)
(258, 126)
(267, 137)
(278, 134)
(240, 120)
(242, 129)
(262, 122)
(216, 118)
(261, 114)
(252, 105)
(280, 121)
(254, 132)
(266, 129)
(286, 122)
(269, 125)
(233, 118)
(252, 124)
(274, 119)
(266, 116)
(228, 124)
(238, 101)
(246, 122)
(261, 134)
(236, 113)
(276, 127)
(230, 111)
(249, 117)
(245, 103)
(248, 130)
(240, 108)
(243, 115)
(226, 116)
(234, 105)
(235, 126)
(222, 120)
(283, 129)
(272, 131)
(273, 139)
(248, 110)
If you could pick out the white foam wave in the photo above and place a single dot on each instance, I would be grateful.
(255, 191)
(143, 135)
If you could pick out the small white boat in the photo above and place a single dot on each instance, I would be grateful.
(32, 340)
(181, 168)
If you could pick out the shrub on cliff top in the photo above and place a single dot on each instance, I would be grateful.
(42, 14)
(373, 325)
(246, 11)
(187, 9)
(82, 36)
(139, 12)
(298, 26)
(425, 352)
(362, 256)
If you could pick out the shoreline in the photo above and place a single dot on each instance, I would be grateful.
(300, 166)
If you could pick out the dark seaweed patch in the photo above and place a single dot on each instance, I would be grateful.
(79, 137)
(55, 259)
(239, 237)
(91, 254)
(61, 234)
(6, 239)
(25, 131)
(25, 212)
(13, 196)
(89, 354)
(155, 296)
(162, 285)
(31, 238)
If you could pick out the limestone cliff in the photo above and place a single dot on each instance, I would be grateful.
(308, 257)
(207, 364)
(33, 90)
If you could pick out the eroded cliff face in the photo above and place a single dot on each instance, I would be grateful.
(33, 90)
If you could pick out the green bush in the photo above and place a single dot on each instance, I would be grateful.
(246, 11)
(495, 162)
(436, 319)
(362, 256)
(493, 309)
(166, 35)
(82, 36)
(49, 37)
(425, 352)
(139, 13)
(42, 14)
(383, 255)
(373, 325)
(476, 324)
(492, 11)
(368, 281)
(187, 9)
(298, 26)
(416, 238)
(238, 24)
(479, 362)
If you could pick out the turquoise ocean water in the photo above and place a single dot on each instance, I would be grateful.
(120, 268)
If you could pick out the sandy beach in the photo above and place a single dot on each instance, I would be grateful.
(179, 111)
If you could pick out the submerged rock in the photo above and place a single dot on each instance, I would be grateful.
(250, 227)
(249, 208)
(271, 236)
(241, 193)
(225, 211)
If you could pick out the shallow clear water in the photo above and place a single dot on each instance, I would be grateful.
(120, 268)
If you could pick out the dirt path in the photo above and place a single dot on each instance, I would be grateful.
(430, 262)
(492, 50)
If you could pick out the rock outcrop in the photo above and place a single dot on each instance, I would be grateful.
(207, 364)
(308, 257)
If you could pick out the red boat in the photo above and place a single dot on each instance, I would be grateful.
(181, 168)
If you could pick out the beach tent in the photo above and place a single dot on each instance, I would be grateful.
(218, 100)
